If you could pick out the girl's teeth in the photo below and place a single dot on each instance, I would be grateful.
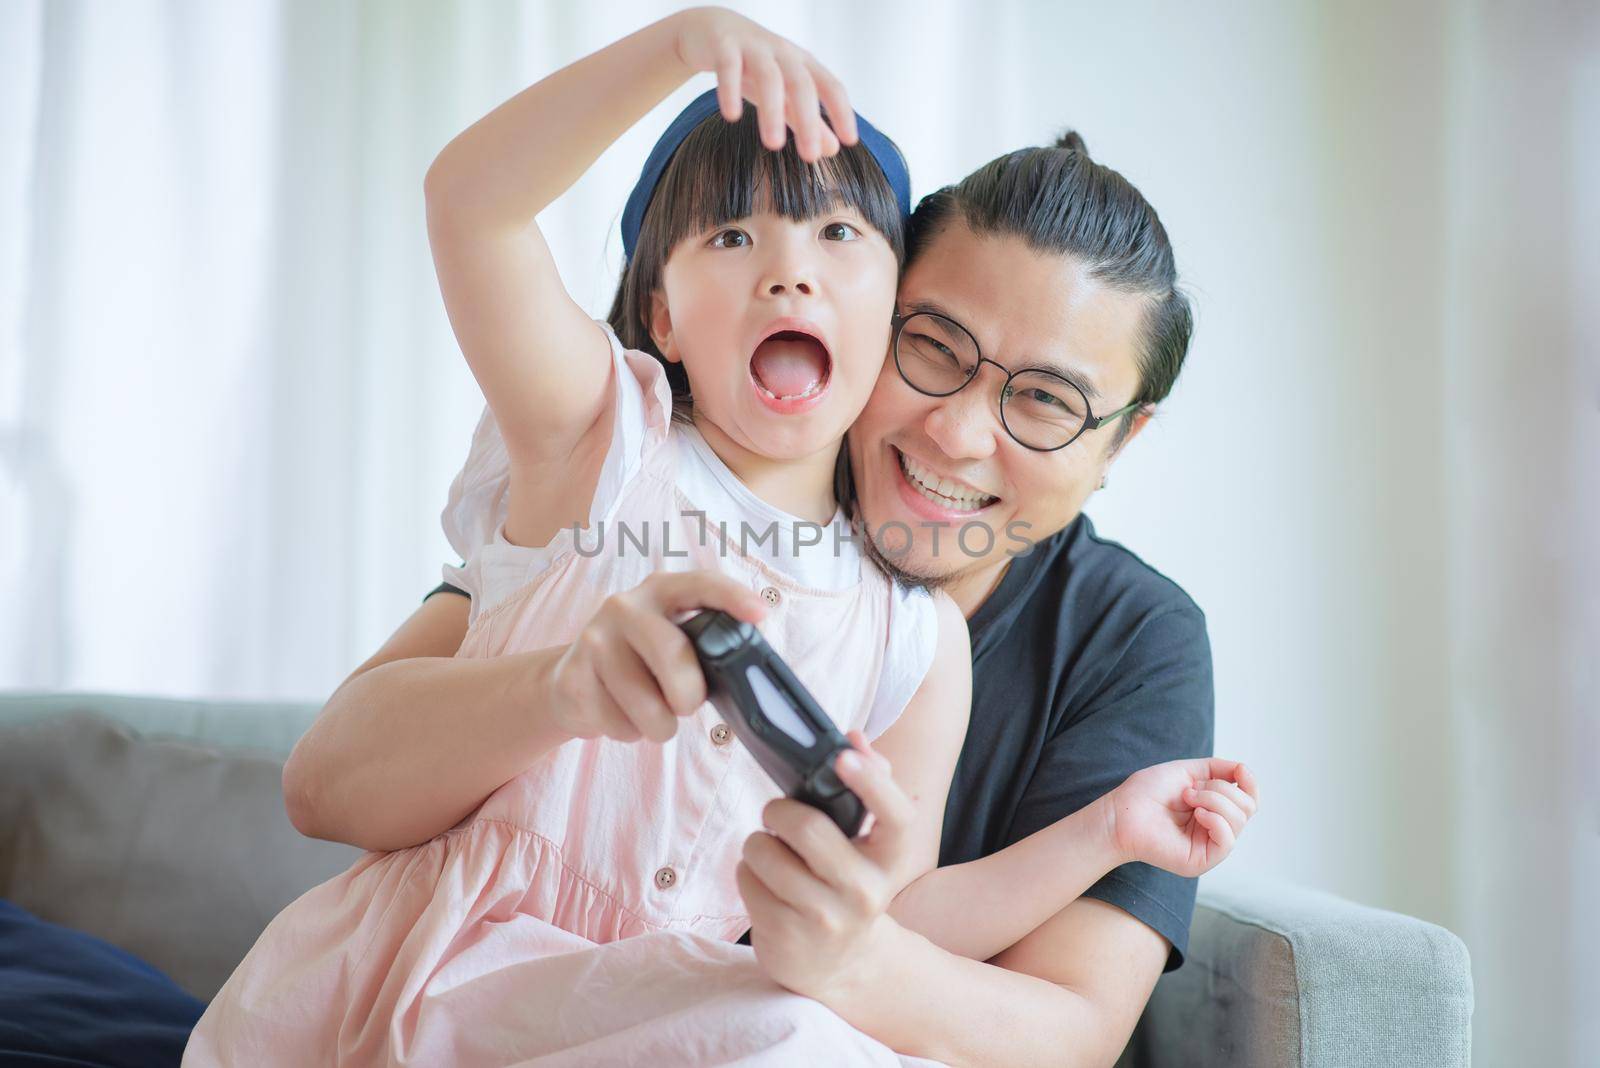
(810, 391)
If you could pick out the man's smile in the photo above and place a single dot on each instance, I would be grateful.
(952, 497)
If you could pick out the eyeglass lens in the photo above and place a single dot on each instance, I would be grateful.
(937, 356)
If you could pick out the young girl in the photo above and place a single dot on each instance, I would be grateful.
(756, 301)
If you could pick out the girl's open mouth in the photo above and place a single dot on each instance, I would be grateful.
(790, 369)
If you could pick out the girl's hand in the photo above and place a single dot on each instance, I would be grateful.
(631, 673)
(1183, 816)
(783, 81)
(817, 899)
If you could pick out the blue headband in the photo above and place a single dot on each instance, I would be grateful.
(704, 106)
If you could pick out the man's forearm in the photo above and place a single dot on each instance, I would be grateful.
(977, 909)
(919, 999)
(403, 751)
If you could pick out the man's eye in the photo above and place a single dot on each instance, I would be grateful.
(730, 239)
(840, 232)
(923, 342)
(1045, 397)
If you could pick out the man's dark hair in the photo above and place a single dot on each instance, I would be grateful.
(1059, 200)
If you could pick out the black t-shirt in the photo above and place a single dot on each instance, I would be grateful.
(1087, 665)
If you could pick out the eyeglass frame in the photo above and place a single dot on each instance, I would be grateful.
(1090, 420)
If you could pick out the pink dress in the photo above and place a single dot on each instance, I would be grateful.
(587, 912)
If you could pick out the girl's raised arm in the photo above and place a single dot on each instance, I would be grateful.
(541, 361)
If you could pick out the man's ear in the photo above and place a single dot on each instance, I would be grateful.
(661, 328)
(1136, 423)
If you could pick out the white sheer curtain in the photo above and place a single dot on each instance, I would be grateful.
(230, 403)
(232, 398)
(1521, 436)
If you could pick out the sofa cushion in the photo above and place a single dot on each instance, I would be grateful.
(178, 852)
(67, 998)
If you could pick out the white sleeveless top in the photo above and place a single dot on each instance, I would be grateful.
(714, 510)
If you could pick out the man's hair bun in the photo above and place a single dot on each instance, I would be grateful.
(1073, 143)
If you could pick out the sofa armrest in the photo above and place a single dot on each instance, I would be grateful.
(1281, 975)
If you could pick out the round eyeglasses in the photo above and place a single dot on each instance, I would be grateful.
(1041, 410)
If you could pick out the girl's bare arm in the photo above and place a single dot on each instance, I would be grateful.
(977, 909)
(542, 363)
(922, 747)
(1183, 816)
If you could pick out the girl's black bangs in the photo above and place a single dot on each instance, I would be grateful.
(722, 173)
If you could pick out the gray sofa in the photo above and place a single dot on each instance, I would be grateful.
(158, 825)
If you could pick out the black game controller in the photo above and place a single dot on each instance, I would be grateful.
(774, 715)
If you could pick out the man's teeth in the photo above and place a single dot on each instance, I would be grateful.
(942, 491)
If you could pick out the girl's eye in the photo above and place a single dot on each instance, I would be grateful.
(840, 232)
(730, 239)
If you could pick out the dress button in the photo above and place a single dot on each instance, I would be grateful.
(665, 878)
(720, 734)
(771, 595)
